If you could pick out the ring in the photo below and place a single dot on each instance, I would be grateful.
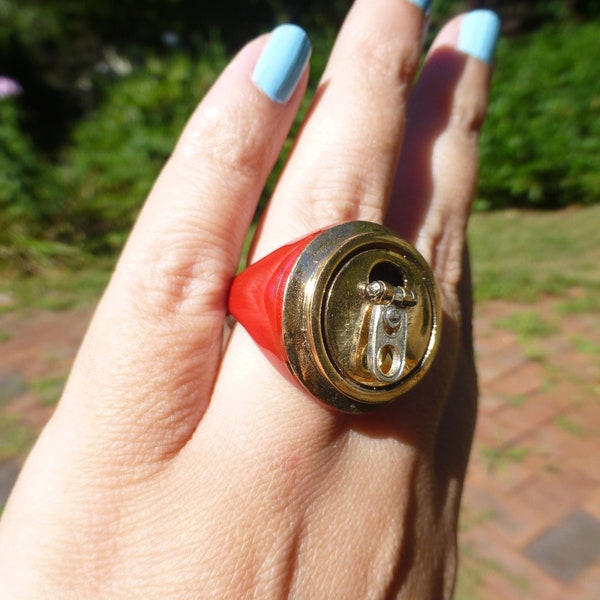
(352, 310)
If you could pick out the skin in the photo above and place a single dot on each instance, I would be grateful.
(175, 469)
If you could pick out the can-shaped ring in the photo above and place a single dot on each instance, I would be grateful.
(352, 310)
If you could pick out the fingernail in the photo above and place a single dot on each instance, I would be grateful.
(282, 62)
(479, 34)
(424, 5)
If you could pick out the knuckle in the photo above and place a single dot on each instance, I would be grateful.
(180, 274)
(467, 115)
(226, 141)
(340, 196)
(442, 245)
(382, 62)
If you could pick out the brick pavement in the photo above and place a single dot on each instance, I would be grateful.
(530, 525)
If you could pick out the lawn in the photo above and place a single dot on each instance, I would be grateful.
(516, 255)
(520, 255)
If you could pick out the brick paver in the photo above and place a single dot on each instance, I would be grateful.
(534, 475)
(535, 469)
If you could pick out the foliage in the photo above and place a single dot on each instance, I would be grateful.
(30, 198)
(59, 49)
(116, 155)
(54, 47)
(104, 103)
(541, 142)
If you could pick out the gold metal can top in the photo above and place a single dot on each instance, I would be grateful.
(361, 316)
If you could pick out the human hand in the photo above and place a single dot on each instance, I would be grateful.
(173, 469)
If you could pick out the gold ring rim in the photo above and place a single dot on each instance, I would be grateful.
(308, 355)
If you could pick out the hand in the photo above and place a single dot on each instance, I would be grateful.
(172, 469)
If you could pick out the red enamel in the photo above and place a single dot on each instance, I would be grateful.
(256, 295)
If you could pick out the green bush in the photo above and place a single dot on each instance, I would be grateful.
(540, 146)
(117, 153)
(31, 204)
(541, 143)
(18, 169)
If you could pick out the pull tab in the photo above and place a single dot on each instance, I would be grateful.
(388, 330)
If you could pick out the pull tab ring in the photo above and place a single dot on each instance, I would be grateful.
(388, 330)
(353, 311)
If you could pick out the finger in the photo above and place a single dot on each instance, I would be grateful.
(152, 350)
(341, 168)
(433, 193)
(343, 163)
(437, 173)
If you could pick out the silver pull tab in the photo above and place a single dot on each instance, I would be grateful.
(388, 330)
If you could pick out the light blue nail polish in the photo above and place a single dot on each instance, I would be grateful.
(282, 62)
(424, 5)
(479, 34)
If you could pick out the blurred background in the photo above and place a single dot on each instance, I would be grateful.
(92, 97)
(106, 87)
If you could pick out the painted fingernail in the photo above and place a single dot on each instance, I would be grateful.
(479, 34)
(282, 62)
(424, 5)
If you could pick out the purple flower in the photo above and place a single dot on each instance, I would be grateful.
(9, 87)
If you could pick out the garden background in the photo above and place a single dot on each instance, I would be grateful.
(103, 89)
(108, 85)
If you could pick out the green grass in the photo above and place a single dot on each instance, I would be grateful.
(569, 425)
(49, 389)
(523, 255)
(469, 518)
(14, 437)
(474, 567)
(586, 346)
(517, 400)
(11, 386)
(529, 325)
(471, 574)
(57, 289)
(588, 302)
(531, 329)
(497, 458)
(533, 352)
(517, 256)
